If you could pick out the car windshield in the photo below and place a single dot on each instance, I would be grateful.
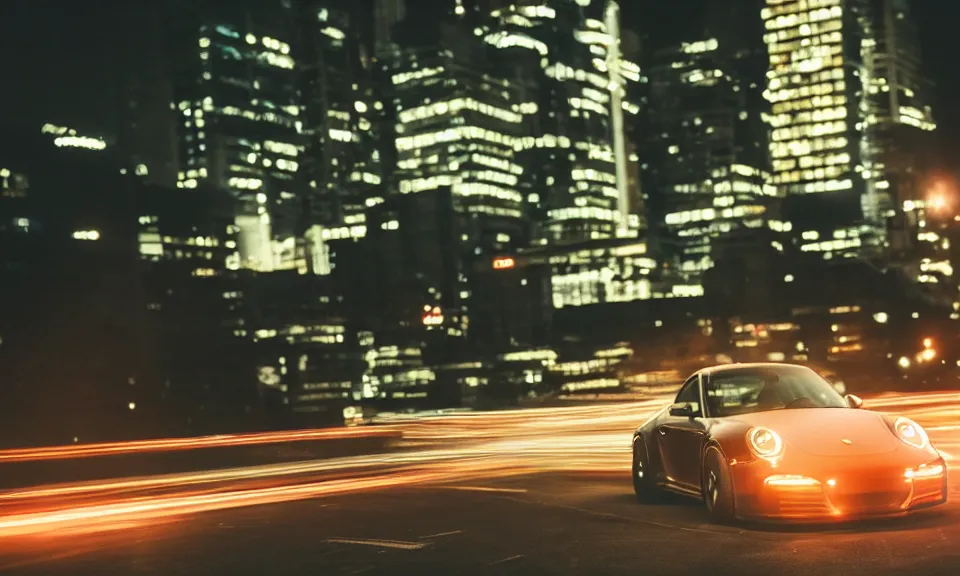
(742, 391)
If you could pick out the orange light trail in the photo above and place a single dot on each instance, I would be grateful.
(178, 444)
(436, 450)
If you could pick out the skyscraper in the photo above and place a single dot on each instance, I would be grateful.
(815, 87)
(571, 54)
(706, 159)
(850, 123)
(237, 92)
(342, 116)
(898, 122)
(452, 193)
(458, 125)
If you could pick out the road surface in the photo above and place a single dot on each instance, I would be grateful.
(526, 492)
(545, 524)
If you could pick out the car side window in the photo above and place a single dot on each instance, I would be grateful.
(690, 392)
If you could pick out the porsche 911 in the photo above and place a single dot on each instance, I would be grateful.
(778, 442)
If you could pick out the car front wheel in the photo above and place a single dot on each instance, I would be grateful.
(644, 484)
(717, 486)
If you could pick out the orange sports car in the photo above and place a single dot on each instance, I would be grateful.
(778, 442)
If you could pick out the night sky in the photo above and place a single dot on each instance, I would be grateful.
(58, 57)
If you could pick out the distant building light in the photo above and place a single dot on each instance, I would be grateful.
(86, 235)
(881, 317)
(132, 405)
(904, 362)
(80, 142)
(57, 130)
(504, 263)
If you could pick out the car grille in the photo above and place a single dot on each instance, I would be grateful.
(802, 502)
(867, 502)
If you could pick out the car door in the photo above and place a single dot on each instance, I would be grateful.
(680, 439)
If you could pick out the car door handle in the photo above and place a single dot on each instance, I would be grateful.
(662, 431)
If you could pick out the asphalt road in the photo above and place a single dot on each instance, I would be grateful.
(541, 524)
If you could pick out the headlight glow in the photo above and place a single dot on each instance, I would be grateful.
(764, 442)
(910, 433)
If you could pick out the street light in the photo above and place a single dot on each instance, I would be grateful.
(940, 197)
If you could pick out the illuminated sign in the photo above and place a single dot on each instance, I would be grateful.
(504, 263)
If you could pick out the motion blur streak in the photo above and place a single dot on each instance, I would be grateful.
(449, 449)
(106, 514)
(355, 464)
(175, 444)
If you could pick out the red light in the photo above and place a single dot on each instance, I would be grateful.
(504, 263)
(434, 317)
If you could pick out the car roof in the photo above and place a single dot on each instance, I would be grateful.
(737, 366)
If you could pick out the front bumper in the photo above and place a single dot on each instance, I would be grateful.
(836, 490)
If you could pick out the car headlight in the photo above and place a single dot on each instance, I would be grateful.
(764, 442)
(910, 433)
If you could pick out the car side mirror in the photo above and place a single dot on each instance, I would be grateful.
(684, 410)
(853, 401)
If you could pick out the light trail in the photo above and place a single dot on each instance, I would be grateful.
(443, 450)
(139, 510)
(195, 443)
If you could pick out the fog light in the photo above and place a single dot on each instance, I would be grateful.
(790, 480)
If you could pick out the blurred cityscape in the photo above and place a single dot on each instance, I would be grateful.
(307, 213)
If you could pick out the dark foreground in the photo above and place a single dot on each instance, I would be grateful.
(543, 524)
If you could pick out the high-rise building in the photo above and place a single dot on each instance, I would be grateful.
(342, 116)
(457, 126)
(850, 123)
(898, 132)
(241, 127)
(571, 53)
(706, 158)
(816, 91)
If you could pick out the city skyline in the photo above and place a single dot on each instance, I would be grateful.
(482, 207)
(84, 30)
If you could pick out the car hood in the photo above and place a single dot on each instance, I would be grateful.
(828, 431)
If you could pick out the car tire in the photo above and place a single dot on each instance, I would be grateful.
(644, 483)
(717, 484)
